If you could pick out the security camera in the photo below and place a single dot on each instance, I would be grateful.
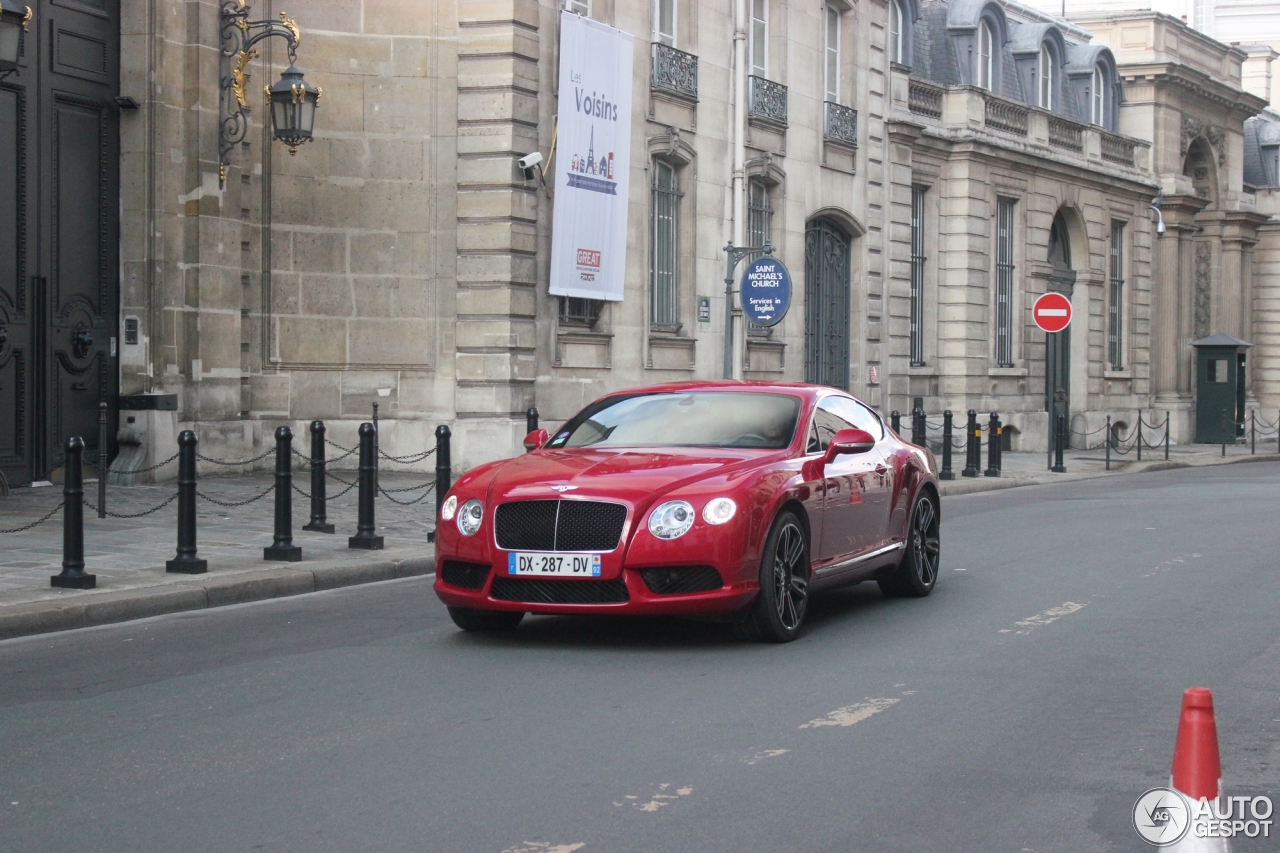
(529, 162)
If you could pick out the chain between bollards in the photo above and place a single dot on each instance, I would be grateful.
(282, 547)
(946, 473)
(73, 575)
(186, 561)
(366, 536)
(319, 522)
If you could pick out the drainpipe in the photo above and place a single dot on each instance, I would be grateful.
(736, 328)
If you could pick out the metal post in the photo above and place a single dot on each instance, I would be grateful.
(376, 449)
(102, 460)
(973, 450)
(1108, 442)
(366, 537)
(282, 547)
(999, 445)
(993, 446)
(918, 436)
(730, 261)
(895, 421)
(186, 561)
(530, 420)
(1058, 467)
(1224, 432)
(947, 473)
(1167, 422)
(319, 521)
(443, 465)
(1139, 436)
(1253, 435)
(73, 575)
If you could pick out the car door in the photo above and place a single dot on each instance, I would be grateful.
(857, 486)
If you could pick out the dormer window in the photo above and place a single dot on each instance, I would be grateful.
(897, 45)
(986, 56)
(1045, 76)
(1099, 99)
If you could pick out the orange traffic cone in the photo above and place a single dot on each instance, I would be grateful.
(1197, 772)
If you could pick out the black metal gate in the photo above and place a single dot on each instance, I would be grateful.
(59, 235)
(826, 304)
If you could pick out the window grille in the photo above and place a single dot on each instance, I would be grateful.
(1004, 282)
(575, 311)
(1115, 298)
(917, 276)
(664, 264)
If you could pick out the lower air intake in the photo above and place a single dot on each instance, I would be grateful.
(558, 592)
(464, 575)
(675, 580)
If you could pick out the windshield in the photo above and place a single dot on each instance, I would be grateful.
(685, 419)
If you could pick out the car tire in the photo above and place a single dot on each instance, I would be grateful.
(917, 574)
(485, 621)
(783, 602)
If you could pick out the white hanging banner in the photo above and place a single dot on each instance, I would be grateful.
(592, 168)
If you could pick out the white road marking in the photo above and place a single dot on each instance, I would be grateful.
(1048, 617)
(1166, 566)
(544, 847)
(657, 800)
(762, 754)
(853, 714)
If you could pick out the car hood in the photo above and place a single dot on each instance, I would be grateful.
(632, 475)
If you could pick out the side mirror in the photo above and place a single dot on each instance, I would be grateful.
(849, 441)
(535, 439)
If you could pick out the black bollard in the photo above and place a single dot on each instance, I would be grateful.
(319, 522)
(1058, 438)
(895, 421)
(973, 447)
(102, 460)
(1253, 435)
(530, 420)
(443, 465)
(947, 473)
(1139, 436)
(73, 575)
(993, 446)
(185, 561)
(366, 537)
(917, 427)
(377, 448)
(282, 547)
(1167, 422)
(1108, 443)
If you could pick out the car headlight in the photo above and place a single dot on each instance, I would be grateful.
(671, 519)
(719, 510)
(449, 509)
(469, 516)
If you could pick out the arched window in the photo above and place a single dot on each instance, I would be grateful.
(1045, 71)
(986, 53)
(1099, 98)
(897, 54)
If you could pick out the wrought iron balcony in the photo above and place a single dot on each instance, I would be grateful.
(674, 71)
(840, 124)
(767, 101)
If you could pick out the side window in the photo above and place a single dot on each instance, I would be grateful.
(826, 423)
(855, 414)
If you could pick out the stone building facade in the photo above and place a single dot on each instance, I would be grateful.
(925, 168)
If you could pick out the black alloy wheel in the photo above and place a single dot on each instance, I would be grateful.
(783, 602)
(917, 574)
(485, 621)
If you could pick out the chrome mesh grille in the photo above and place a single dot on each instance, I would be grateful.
(559, 525)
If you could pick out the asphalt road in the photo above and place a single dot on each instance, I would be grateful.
(1023, 707)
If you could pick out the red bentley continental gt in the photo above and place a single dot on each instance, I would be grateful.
(735, 500)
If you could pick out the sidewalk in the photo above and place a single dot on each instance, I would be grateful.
(128, 555)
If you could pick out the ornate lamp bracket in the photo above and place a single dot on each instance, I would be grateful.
(239, 35)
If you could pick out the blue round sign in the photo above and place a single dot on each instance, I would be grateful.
(765, 291)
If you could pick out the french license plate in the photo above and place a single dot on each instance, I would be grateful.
(558, 565)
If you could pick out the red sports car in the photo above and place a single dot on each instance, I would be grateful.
(735, 500)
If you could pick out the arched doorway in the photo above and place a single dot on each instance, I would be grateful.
(1057, 367)
(826, 303)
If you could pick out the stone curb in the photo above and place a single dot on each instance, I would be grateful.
(199, 593)
(985, 484)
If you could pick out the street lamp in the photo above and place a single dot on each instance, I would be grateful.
(14, 20)
(293, 99)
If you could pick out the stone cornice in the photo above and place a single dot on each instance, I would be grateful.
(1196, 82)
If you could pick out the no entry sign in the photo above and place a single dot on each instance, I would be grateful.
(1052, 312)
